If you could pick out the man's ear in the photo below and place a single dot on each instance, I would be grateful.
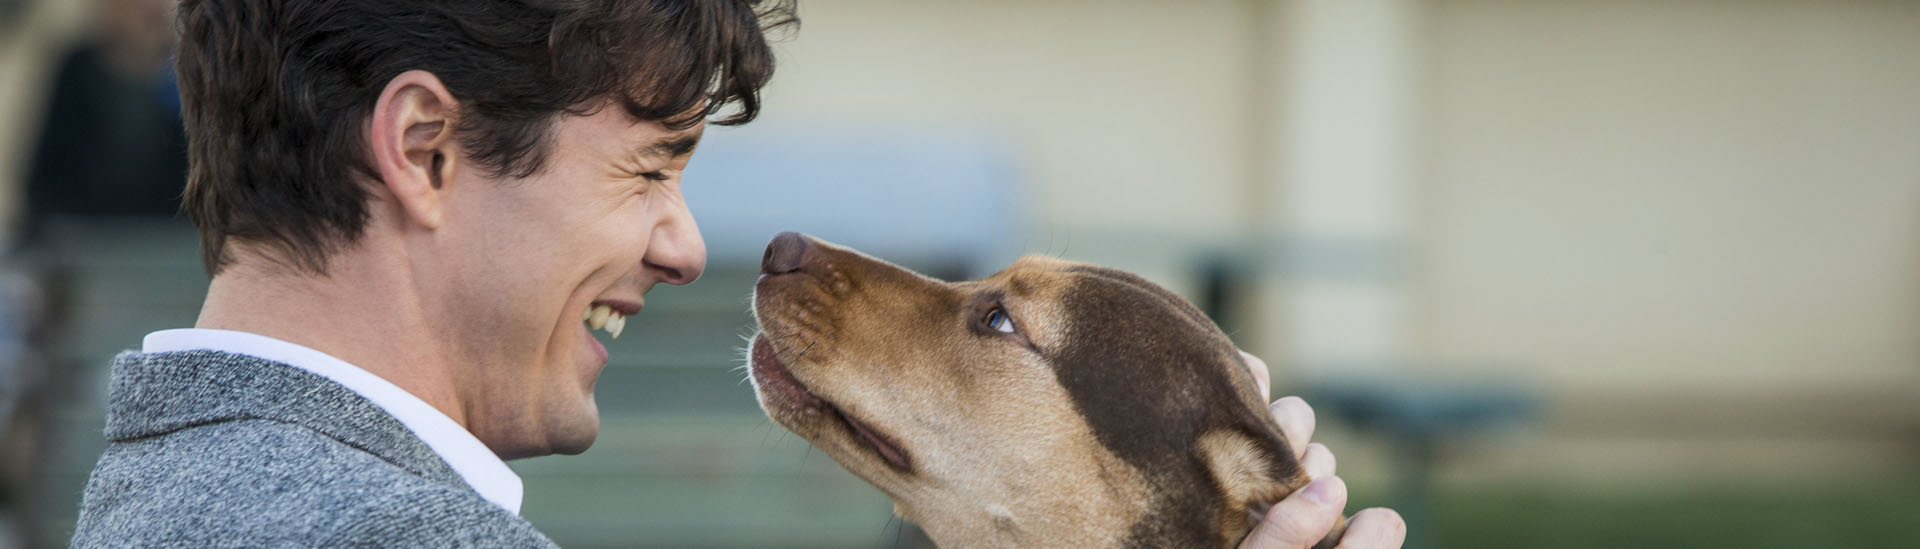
(410, 135)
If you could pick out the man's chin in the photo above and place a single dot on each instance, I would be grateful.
(572, 448)
(569, 436)
(579, 436)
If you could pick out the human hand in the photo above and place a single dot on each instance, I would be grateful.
(1309, 514)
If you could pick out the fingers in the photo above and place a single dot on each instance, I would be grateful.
(1318, 462)
(1375, 528)
(1296, 422)
(1261, 376)
(1302, 519)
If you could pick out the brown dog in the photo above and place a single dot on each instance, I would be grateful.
(1054, 404)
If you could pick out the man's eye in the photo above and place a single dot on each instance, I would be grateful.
(655, 175)
(999, 321)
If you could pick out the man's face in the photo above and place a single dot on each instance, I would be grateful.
(600, 224)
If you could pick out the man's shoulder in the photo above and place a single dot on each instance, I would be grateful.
(432, 516)
(281, 457)
(264, 482)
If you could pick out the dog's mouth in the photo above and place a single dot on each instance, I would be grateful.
(778, 388)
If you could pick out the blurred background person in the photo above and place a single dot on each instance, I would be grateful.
(110, 143)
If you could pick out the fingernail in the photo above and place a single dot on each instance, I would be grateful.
(1325, 491)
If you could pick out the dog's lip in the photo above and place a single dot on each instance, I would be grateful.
(772, 375)
(875, 441)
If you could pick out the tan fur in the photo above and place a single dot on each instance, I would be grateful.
(999, 455)
(1243, 473)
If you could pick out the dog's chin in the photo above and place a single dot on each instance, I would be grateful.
(796, 407)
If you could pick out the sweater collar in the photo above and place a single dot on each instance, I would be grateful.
(484, 471)
(152, 394)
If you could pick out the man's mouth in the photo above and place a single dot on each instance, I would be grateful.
(609, 316)
(779, 388)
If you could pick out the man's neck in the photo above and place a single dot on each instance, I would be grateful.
(365, 310)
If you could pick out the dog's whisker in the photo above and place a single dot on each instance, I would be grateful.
(798, 472)
(1049, 250)
(884, 526)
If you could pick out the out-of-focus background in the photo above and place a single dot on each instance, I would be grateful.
(1584, 273)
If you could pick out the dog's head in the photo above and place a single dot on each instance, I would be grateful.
(1053, 403)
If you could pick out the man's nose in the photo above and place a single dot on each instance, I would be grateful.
(677, 252)
(786, 253)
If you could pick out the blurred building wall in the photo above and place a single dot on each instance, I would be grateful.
(1131, 116)
(1698, 222)
(1676, 191)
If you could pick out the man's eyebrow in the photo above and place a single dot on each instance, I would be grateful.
(673, 147)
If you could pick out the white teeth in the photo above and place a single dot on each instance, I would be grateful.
(598, 319)
(602, 317)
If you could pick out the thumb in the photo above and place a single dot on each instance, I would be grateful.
(1262, 378)
(1302, 519)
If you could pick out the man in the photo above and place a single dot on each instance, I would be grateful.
(410, 211)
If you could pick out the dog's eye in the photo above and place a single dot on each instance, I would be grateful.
(999, 321)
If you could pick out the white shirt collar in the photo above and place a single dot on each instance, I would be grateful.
(482, 470)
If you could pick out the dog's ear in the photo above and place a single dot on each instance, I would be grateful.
(1251, 472)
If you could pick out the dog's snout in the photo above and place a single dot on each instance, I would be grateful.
(787, 253)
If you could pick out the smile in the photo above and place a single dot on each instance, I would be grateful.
(608, 316)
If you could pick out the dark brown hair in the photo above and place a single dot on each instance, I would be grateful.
(276, 93)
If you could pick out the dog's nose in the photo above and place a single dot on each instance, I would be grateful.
(786, 254)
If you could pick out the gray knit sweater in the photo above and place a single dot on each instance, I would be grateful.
(217, 449)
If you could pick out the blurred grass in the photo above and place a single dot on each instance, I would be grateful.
(1755, 517)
